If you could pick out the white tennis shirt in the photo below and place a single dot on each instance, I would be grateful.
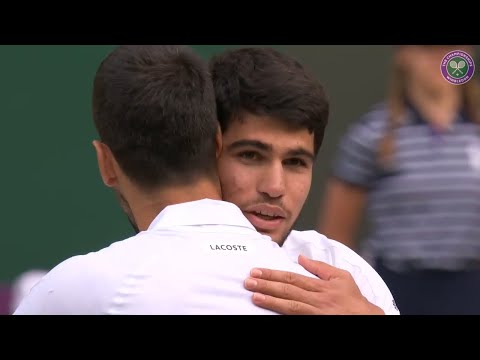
(318, 247)
(193, 259)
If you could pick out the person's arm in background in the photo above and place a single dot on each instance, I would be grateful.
(342, 211)
(354, 171)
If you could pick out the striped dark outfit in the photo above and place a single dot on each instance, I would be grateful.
(423, 211)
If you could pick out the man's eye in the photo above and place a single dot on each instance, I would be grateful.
(295, 162)
(249, 155)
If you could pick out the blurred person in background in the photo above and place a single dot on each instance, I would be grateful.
(413, 163)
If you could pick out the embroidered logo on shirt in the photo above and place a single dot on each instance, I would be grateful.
(224, 247)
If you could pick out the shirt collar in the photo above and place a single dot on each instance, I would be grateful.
(201, 212)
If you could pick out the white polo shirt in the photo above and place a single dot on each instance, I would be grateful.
(318, 247)
(193, 259)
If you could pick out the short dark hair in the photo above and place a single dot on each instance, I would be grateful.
(154, 106)
(263, 81)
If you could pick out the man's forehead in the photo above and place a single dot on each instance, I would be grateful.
(271, 131)
(283, 145)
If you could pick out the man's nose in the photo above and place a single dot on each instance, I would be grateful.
(273, 181)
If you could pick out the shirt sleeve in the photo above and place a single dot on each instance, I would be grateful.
(381, 295)
(318, 247)
(356, 158)
(370, 283)
(63, 291)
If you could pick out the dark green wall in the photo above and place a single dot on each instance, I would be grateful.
(53, 203)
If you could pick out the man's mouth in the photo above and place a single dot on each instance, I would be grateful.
(265, 217)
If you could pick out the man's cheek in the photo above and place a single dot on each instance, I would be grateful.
(231, 189)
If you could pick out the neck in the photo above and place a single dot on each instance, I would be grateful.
(145, 206)
(439, 107)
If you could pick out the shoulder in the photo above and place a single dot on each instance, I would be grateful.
(309, 243)
(324, 249)
(375, 116)
(321, 248)
(60, 289)
(359, 143)
(371, 124)
(78, 285)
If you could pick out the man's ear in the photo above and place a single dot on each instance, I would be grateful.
(218, 141)
(105, 161)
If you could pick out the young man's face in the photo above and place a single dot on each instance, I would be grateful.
(266, 170)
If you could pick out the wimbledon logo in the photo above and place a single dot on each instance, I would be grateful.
(457, 67)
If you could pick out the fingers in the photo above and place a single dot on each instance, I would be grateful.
(278, 290)
(282, 306)
(286, 277)
(319, 268)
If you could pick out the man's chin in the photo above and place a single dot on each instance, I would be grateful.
(276, 236)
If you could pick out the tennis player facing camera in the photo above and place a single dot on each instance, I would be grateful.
(273, 116)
